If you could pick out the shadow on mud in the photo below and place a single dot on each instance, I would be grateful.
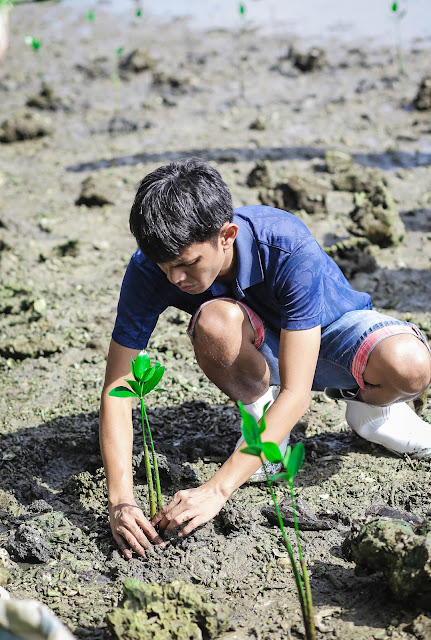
(385, 160)
(59, 460)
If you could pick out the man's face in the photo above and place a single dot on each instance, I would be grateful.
(201, 263)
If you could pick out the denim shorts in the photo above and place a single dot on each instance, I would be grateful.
(345, 345)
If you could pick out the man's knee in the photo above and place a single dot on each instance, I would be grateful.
(405, 363)
(218, 321)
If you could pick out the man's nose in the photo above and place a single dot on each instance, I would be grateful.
(176, 276)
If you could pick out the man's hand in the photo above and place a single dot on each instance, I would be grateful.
(130, 528)
(195, 506)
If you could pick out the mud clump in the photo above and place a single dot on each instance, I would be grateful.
(94, 193)
(422, 101)
(297, 193)
(354, 255)
(137, 61)
(260, 175)
(307, 61)
(172, 611)
(46, 100)
(375, 216)
(337, 161)
(401, 551)
(25, 125)
(27, 544)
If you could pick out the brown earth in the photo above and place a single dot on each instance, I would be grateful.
(234, 98)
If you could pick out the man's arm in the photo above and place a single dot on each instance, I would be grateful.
(129, 526)
(297, 363)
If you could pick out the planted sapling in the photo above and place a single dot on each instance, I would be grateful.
(292, 462)
(146, 379)
(398, 15)
(116, 77)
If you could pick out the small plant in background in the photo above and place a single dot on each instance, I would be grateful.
(399, 15)
(146, 379)
(116, 77)
(292, 462)
(35, 44)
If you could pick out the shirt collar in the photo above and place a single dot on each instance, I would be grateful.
(249, 271)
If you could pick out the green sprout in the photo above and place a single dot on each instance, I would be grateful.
(36, 45)
(116, 77)
(146, 379)
(32, 42)
(399, 15)
(292, 462)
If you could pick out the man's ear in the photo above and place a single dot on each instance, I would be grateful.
(228, 233)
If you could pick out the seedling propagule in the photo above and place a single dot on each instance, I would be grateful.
(146, 379)
(292, 462)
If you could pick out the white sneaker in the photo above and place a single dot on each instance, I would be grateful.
(395, 427)
(256, 410)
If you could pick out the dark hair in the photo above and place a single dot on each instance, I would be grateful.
(177, 205)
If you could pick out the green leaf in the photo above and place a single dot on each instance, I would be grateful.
(281, 476)
(153, 381)
(142, 363)
(296, 459)
(271, 452)
(253, 450)
(122, 392)
(135, 386)
(249, 428)
(287, 456)
(149, 372)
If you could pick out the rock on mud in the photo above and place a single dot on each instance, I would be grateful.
(297, 193)
(422, 101)
(25, 125)
(306, 518)
(400, 550)
(172, 611)
(27, 544)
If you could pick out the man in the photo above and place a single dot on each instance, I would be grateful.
(272, 318)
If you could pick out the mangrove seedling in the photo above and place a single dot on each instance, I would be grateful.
(36, 45)
(399, 15)
(145, 379)
(116, 77)
(292, 462)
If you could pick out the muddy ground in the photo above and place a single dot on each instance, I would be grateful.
(235, 98)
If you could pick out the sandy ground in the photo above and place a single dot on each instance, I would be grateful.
(234, 98)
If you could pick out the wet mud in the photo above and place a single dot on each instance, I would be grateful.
(338, 136)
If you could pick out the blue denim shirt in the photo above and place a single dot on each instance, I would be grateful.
(283, 274)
